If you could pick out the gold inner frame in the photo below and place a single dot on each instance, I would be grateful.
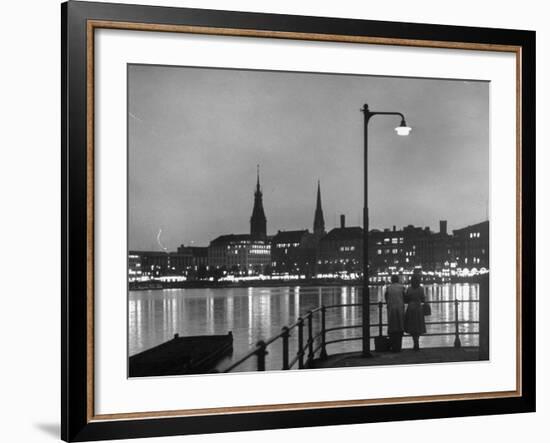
(97, 24)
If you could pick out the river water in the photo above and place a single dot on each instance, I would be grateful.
(254, 314)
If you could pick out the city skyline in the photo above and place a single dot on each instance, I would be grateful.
(318, 212)
(197, 184)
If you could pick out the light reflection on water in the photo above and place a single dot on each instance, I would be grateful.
(254, 314)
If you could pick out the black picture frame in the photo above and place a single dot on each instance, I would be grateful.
(77, 424)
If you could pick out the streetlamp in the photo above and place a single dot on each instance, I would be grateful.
(402, 130)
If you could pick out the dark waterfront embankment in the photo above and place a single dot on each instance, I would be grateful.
(405, 357)
(198, 284)
(268, 283)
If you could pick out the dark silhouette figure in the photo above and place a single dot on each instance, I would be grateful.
(396, 312)
(414, 317)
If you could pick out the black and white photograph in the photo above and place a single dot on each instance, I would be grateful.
(276, 221)
(248, 223)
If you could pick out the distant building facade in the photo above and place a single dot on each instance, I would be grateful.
(239, 254)
(341, 250)
(463, 253)
(155, 264)
(470, 246)
(386, 249)
(134, 266)
(195, 260)
(292, 252)
(196, 256)
(408, 248)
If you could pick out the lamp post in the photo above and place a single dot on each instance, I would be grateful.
(402, 130)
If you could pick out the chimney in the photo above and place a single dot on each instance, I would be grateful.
(342, 221)
(443, 227)
(394, 228)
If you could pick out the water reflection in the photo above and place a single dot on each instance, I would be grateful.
(254, 314)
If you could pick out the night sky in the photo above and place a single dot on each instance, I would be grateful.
(197, 134)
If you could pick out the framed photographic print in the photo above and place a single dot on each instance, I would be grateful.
(277, 221)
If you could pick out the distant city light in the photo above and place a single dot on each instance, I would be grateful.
(336, 254)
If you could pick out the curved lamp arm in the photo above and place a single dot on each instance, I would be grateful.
(402, 129)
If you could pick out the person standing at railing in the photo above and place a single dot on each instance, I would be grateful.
(414, 317)
(396, 313)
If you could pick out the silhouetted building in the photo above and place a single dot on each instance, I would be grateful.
(258, 222)
(197, 255)
(292, 252)
(386, 249)
(297, 252)
(442, 248)
(439, 254)
(470, 246)
(341, 250)
(409, 248)
(244, 254)
(319, 220)
(196, 261)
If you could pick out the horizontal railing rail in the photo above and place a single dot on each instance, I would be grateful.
(307, 348)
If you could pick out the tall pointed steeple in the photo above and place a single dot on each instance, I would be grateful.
(258, 222)
(319, 221)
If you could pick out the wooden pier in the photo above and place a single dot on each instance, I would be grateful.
(182, 355)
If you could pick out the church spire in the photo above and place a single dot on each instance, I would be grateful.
(258, 221)
(319, 221)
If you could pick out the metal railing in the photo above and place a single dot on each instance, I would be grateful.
(307, 351)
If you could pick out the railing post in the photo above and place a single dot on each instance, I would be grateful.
(300, 343)
(380, 305)
(261, 353)
(286, 334)
(310, 336)
(323, 355)
(457, 331)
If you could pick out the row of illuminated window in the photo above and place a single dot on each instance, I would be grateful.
(393, 240)
(287, 245)
(389, 251)
(262, 247)
(475, 260)
(256, 251)
(239, 246)
(347, 248)
(341, 260)
(260, 251)
(474, 234)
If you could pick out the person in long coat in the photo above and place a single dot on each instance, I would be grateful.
(396, 313)
(414, 317)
